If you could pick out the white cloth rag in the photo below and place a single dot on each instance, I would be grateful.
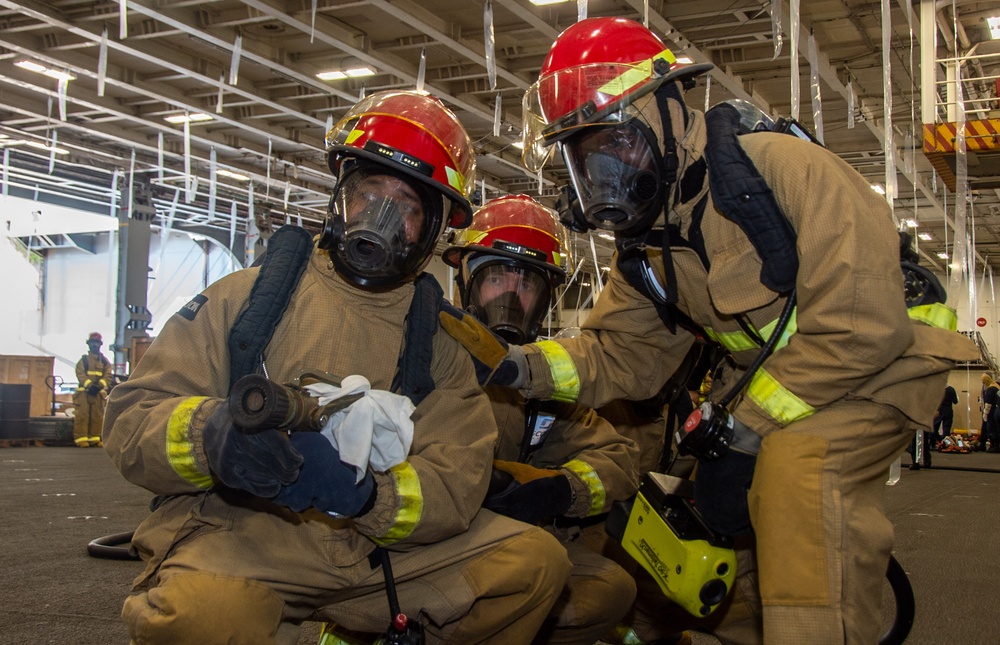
(375, 430)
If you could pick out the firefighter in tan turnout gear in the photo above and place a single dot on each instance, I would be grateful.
(553, 460)
(93, 373)
(254, 533)
(719, 234)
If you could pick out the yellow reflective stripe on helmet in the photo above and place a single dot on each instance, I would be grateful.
(455, 178)
(180, 451)
(635, 75)
(411, 507)
(589, 476)
(740, 341)
(776, 400)
(935, 315)
(565, 378)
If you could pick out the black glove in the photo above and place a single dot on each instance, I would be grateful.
(93, 389)
(258, 463)
(720, 492)
(325, 482)
(543, 493)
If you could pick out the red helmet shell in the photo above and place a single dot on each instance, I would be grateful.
(95, 336)
(413, 133)
(592, 41)
(516, 219)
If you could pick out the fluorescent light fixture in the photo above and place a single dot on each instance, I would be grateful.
(584, 284)
(32, 66)
(926, 236)
(544, 3)
(194, 117)
(878, 189)
(684, 60)
(48, 148)
(354, 72)
(518, 144)
(912, 223)
(222, 172)
(994, 24)
(943, 256)
(606, 236)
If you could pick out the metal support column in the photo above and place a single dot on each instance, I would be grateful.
(134, 224)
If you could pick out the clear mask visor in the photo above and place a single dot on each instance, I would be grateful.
(510, 300)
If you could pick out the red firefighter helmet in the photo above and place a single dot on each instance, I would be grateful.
(509, 262)
(95, 336)
(526, 230)
(592, 74)
(413, 133)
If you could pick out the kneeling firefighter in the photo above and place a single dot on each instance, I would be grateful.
(254, 531)
(723, 234)
(557, 464)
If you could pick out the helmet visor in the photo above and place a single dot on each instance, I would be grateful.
(389, 225)
(616, 173)
(581, 96)
(511, 300)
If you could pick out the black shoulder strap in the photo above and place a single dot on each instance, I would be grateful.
(413, 375)
(86, 363)
(742, 196)
(285, 261)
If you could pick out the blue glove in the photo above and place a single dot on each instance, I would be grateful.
(325, 482)
(259, 463)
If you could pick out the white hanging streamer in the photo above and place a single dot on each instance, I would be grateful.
(267, 188)
(250, 209)
(422, 69)
(218, 98)
(489, 37)
(361, 94)
(850, 104)
(482, 191)
(329, 124)
(159, 155)
(61, 92)
(581, 10)
(817, 99)
(776, 34)
(166, 229)
(6, 175)
(888, 144)
(131, 184)
(288, 218)
(102, 62)
(645, 13)
(312, 21)
(794, 55)
(288, 191)
(232, 225)
(708, 91)
(540, 185)
(122, 19)
(496, 116)
(52, 150)
(234, 65)
(298, 220)
(213, 182)
(598, 284)
(190, 186)
(114, 192)
(250, 240)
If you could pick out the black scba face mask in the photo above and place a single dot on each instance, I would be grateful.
(509, 298)
(617, 172)
(382, 226)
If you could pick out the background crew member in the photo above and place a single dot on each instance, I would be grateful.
(93, 373)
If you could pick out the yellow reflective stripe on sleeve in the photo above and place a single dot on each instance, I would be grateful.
(180, 451)
(790, 329)
(740, 341)
(564, 375)
(935, 315)
(589, 476)
(411, 504)
(776, 400)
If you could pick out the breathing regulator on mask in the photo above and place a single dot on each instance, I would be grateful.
(404, 167)
(509, 262)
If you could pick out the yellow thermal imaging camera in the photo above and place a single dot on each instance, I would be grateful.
(661, 529)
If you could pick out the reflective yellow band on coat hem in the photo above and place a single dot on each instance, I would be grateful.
(180, 451)
(772, 397)
(411, 506)
(565, 378)
(740, 341)
(595, 487)
(935, 315)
